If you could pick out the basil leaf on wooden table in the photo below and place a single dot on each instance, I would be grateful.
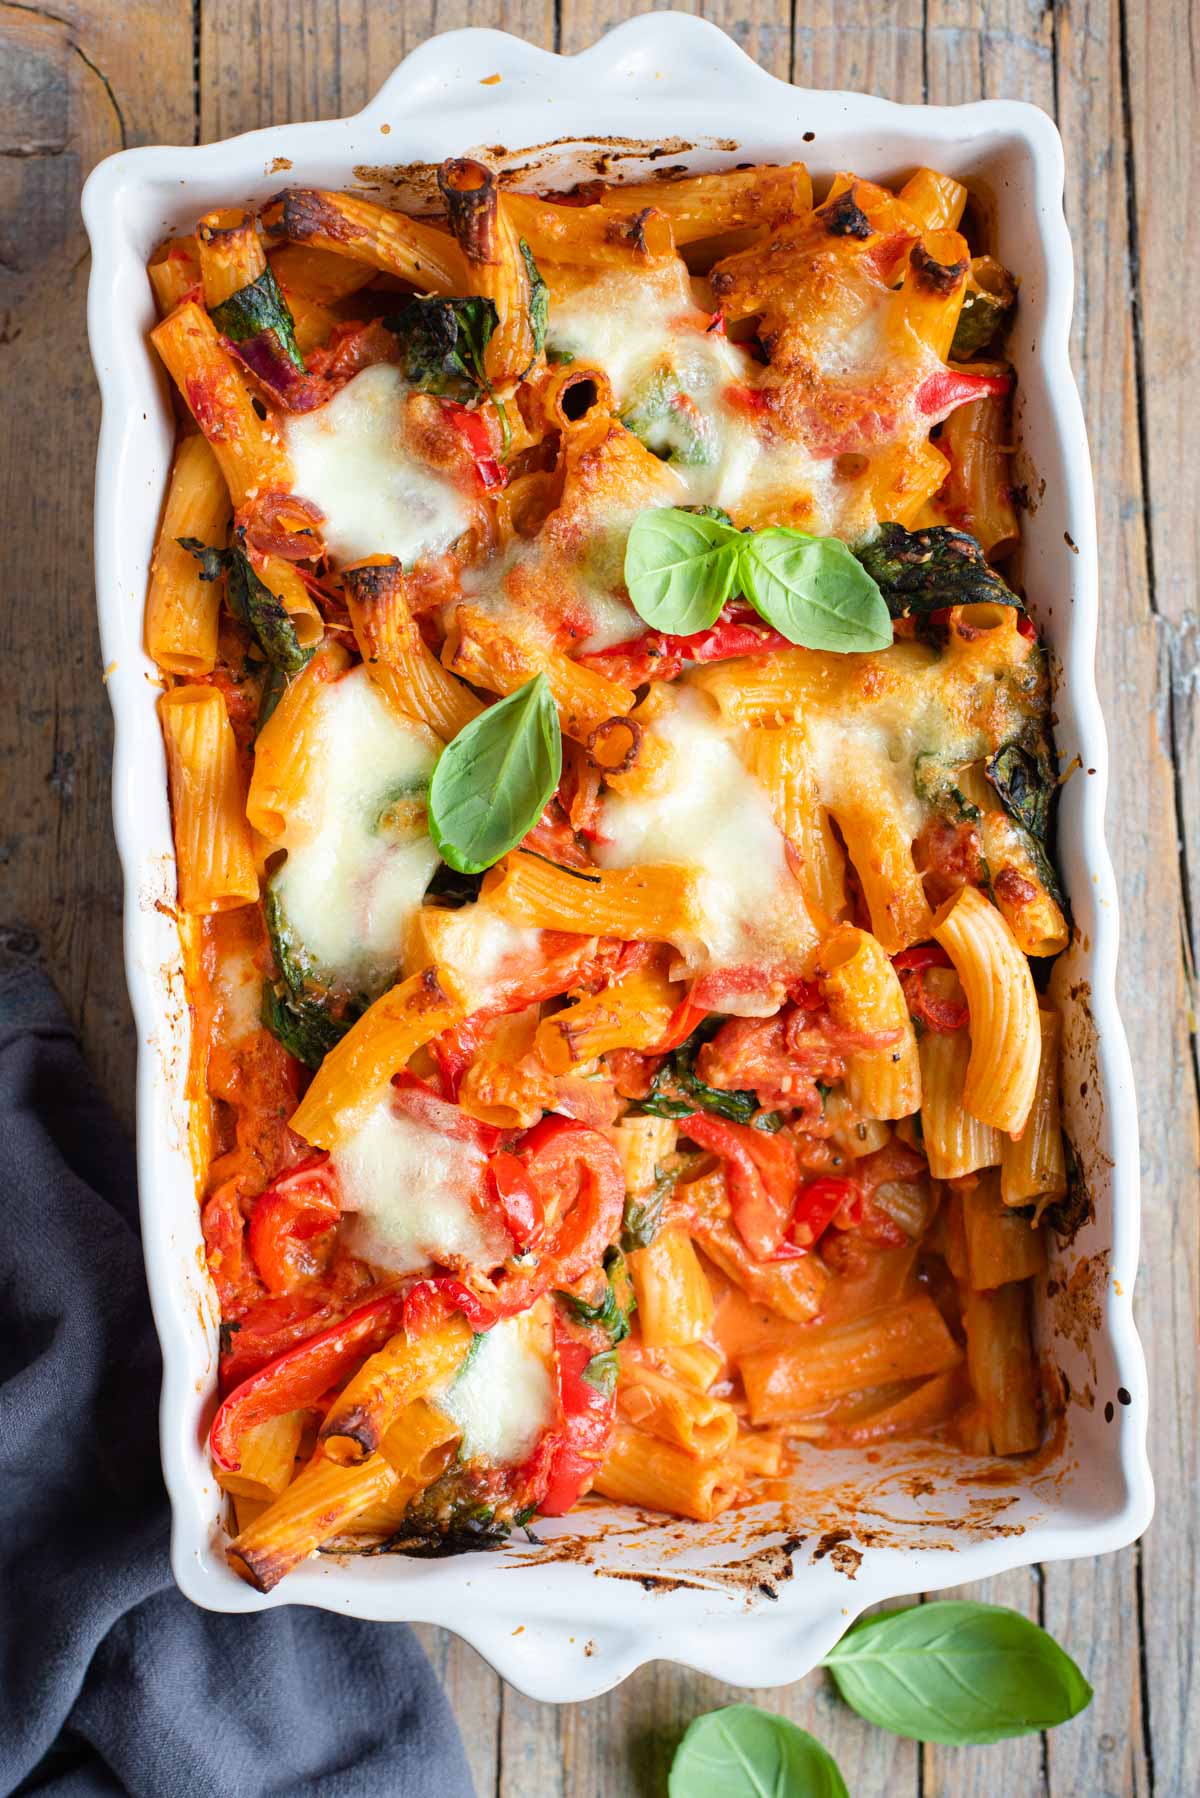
(956, 1672)
(680, 568)
(742, 1752)
(814, 591)
(491, 784)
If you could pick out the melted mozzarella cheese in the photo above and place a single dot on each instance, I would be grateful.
(237, 988)
(350, 459)
(408, 1189)
(708, 812)
(482, 948)
(350, 885)
(505, 1397)
(636, 325)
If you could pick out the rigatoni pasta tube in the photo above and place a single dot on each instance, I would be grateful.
(699, 1425)
(249, 449)
(397, 657)
(782, 760)
(320, 1502)
(1005, 1038)
(632, 1013)
(643, 1143)
(481, 220)
(653, 903)
(214, 858)
(674, 1298)
(499, 659)
(1001, 1367)
(642, 1470)
(1002, 1245)
(880, 849)
(182, 610)
(400, 1372)
(955, 1143)
(281, 790)
(817, 1366)
(174, 270)
(424, 254)
(267, 1457)
(1034, 1164)
(701, 206)
(863, 992)
(355, 1073)
(231, 254)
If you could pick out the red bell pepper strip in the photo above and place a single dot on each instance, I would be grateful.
(684, 1019)
(824, 1202)
(299, 1205)
(946, 389)
(517, 1198)
(304, 1374)
(472, 428)
(430, 1302)
(573, 1165)
(586, 1415)
(939, 1015)
(739, 631)
(763, 1175)
(268, 1328)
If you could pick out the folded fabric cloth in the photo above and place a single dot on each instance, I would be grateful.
(111, 1681)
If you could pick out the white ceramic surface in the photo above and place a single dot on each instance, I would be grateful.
(569, 1627)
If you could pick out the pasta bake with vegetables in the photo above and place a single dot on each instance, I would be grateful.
(612, 787)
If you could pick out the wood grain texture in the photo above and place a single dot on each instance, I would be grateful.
(73, 88)
(79, 78)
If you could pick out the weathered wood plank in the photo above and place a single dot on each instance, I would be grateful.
(1094, 1607)
(319, 59)
(76, 83)
(1158, 94)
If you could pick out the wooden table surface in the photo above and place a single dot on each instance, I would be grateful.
(81, 78)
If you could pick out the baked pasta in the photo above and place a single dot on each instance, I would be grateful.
(611, 783)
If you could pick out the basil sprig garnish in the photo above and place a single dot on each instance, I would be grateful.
(491, 784)
(957, 1672)
(954, 1672)
(682, 567)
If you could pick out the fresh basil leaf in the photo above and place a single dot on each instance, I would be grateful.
(539, 300)
(667, 420)
(744, 1752)
(957, 1672)
(680, 568)
(273, 689)
(305, 1027)
(677, 1090)
(640, 1223)
(213, 562)
(1025, 780)
(442, 342)
(251, 602)
(615, 1306)
(264, 614)
(491, 784)
(1025, 785)
(601, 1372)
(814, 591)
(924, 571)
(259, 310)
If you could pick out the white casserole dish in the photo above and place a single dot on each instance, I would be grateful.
(759, 1597)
